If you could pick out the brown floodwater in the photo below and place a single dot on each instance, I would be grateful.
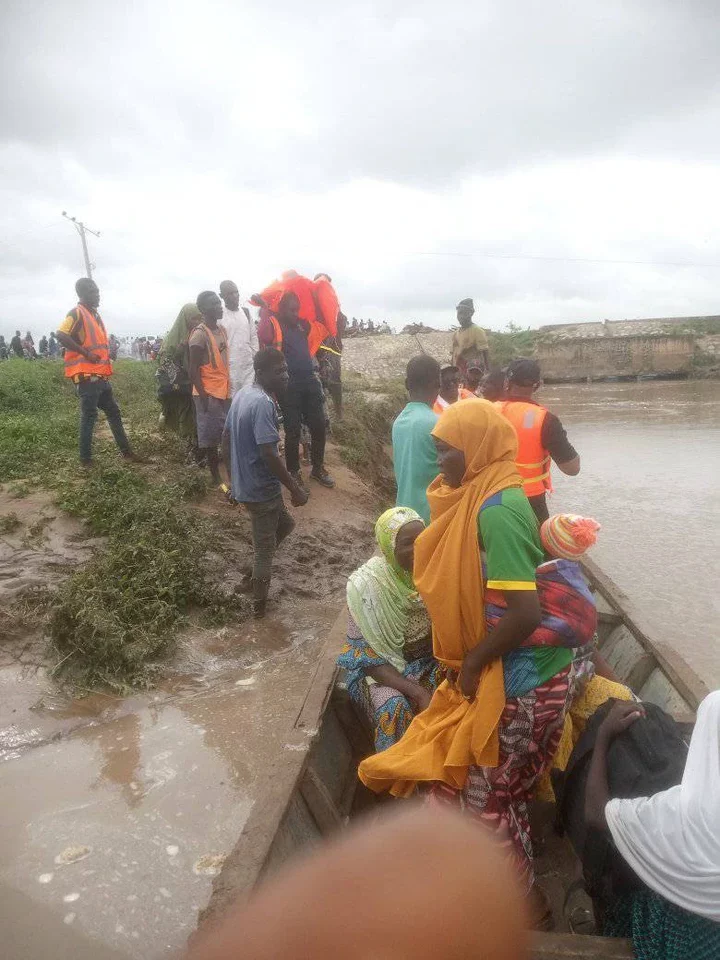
(117, 812)
(650, 455)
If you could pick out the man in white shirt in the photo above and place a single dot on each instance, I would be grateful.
(241, 336)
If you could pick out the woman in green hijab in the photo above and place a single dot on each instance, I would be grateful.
(387, 654)
(174, 386)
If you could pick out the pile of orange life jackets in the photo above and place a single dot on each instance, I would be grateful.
(319, 307)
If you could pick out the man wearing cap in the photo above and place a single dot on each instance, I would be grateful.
(541, 436)
(470, 342)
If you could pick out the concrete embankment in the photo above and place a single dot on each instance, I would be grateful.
(565, 353)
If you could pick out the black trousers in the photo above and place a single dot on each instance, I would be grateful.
(303, 401)
(98, 395)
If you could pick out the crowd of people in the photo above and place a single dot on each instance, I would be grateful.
(24, 347)
(49, 347)
(367, 328)
(225, 385)
(145, 348)
(471, 640)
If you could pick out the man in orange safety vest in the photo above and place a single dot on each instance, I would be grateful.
(541, 436)
(210, 376)
(87, 363)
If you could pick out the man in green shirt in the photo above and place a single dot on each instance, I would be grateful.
(414, 453)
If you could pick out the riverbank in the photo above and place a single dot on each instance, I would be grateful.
(120, 804)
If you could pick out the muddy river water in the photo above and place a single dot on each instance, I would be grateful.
(117, 812)
(650, 457)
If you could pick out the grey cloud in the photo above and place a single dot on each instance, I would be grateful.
(415, 92)
(307, 97)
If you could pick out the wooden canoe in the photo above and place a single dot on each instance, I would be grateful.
(316, 791)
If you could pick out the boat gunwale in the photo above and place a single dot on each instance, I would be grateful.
(680, 674)
(244, 864)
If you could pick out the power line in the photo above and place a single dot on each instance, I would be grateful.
(82, 230)
(519, 256)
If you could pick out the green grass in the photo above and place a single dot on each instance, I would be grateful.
(39, 417)
(112, 621)
(512, 342)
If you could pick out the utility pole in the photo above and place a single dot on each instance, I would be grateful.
(82, 230)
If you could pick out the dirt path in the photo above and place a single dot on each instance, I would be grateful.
(117, 811)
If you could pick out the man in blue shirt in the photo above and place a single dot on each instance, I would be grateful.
(257, 473)
(414, 454)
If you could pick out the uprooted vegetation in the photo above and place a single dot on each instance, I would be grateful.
(114, 618)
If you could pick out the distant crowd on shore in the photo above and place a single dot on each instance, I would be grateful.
(367, 328)
(48, 347)
(24, 347)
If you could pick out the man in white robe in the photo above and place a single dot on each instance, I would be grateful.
(241, 336)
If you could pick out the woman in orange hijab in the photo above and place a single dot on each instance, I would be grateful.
(491, 730)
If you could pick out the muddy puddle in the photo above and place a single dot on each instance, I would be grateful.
(117, 812)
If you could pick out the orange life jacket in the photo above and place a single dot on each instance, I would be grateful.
(329, 305)
(305, 290)
(442, 404)
(533, 462)
(214, 374)
(94, 338)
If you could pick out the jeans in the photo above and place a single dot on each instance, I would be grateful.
(271, 523)
(304, 399)
(94, 395)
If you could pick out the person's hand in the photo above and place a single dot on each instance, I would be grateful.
(420, 699)
(92, 357)
(621, 716)
(468, 679)
(298, 495)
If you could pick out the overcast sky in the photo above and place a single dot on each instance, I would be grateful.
(420, 152)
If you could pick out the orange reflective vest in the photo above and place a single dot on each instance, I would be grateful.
(94, 338)
(533, 460)
(214, 374)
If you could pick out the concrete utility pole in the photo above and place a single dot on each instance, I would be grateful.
(82, 230)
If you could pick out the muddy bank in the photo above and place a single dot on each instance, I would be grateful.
(119, 811)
